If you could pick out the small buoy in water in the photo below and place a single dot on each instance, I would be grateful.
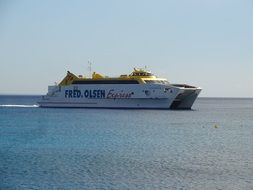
(215, 126)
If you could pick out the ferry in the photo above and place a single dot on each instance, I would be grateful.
(141, 90)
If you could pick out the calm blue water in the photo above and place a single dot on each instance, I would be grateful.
(126, 149)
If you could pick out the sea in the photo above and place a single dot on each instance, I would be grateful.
(208, 147)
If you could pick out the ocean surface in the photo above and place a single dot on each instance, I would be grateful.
(209, 147)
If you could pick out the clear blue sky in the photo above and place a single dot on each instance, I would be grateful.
(208, 43)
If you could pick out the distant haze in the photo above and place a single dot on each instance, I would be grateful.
(204, 43)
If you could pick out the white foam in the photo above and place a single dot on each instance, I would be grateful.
(19, 106)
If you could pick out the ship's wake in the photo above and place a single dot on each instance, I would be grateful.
(19, 106)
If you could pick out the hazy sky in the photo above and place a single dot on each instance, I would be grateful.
(207, 43)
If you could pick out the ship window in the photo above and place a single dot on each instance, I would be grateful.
(152, 81)
(105, 82)
(141, 74)
(156, 82)
(148, 81)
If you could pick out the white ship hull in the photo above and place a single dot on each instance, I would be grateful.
(138, 96)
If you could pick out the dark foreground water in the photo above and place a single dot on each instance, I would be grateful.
(210, 147)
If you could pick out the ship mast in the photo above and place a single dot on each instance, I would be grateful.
(90, 68)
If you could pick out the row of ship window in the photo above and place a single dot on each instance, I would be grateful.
(142, 74)
(119, 82)
(156, 81)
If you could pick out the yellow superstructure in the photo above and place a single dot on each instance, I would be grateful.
(140, 75)
(68, 79)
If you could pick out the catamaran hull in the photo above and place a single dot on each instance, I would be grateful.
(117, 103)
(146, 96)
(185, 98)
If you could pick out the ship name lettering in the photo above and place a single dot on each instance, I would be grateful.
(72, 93)
(94, 93)
(114, 95)
(85, 94)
